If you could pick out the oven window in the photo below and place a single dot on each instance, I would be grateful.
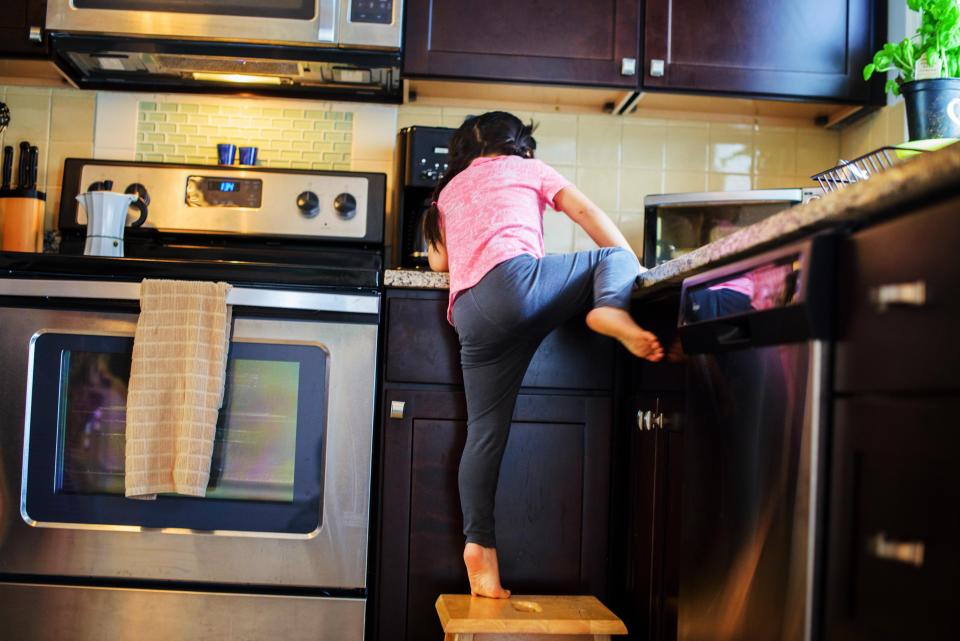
(292, 9)
(268, 457)
(254, 448)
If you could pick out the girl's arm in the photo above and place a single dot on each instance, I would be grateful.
(591, 218)
(437, 258)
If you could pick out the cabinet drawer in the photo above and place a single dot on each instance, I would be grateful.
(423, 348)
(899, 308)
(894, 541)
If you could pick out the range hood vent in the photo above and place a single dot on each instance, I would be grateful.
(166, 63)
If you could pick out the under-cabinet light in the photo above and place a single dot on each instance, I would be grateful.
(238, 78)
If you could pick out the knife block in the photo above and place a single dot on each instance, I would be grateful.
(21, 221)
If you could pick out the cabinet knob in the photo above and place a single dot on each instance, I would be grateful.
(628, 67)
(908, 552)
(903, 294)
(657, 68)
(36, 34)
(396, 409)
(647, 420)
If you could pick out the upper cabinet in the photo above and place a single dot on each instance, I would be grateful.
(21, 28)
(557, 41)
(769, 48)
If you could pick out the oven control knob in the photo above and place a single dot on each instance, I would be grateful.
(346, 206)
(308, 204)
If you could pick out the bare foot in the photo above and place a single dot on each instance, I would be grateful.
(483, 571)
(615, 322)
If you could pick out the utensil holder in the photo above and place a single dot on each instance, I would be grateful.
(21, 221)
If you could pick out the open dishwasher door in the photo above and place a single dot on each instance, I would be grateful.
(755, 334)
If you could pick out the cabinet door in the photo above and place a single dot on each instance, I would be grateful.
(16, 19)
(552, 504)
(813, 49)
(892, 548)
(653, 520)
(555, 41)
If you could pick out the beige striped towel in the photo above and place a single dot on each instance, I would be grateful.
(176, 386)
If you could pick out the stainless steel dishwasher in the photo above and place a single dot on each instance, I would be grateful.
(755, 335)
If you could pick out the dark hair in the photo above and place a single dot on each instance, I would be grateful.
(495, 132)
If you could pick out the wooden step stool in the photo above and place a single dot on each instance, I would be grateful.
(526, 618)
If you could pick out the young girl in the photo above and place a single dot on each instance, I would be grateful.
(486, 228)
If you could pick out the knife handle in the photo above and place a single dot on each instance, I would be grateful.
(22, 165)
(32, 167)
(7, 166)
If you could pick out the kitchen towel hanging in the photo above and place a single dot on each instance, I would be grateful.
(176, 386)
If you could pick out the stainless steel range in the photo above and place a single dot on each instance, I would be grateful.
(278, 548)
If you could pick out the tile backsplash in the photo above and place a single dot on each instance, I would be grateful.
(298, 138)
(617, 161)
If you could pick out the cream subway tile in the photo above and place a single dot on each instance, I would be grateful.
(598, 141)
(599, 185)
(154, 116)
(303, 124)
(313, 135)
(187, 150)
(60, 151)
(290, 155)
(293, 113)
(271, 112)
(644, 144)
(175, 158)
(141, 136)
(775, 151)
(731, 148)
(150, 157)
(558, 232)
(291, 134)
(332, 156)
(144, 147)
(198, 119)
(301, 164)
(147, 106)
(631, 224)
(177, 118)
(189, 130)
(312, 156)
(774, 181)
(154, 137)
(207, 131)
(228, 133)
(341, 166)
(168, 106)
(342, 146)
(681, 181)
(334, 136)
(343, 126)
(165, 149)
(728, 182)
(280, 164)
(313, 114)
(231, 110)
(636, 184)
(556, 136)
(72, 116)
(176, 138)
(189, 108)
(281, 123)
(166, 128)
(146, 127)
(302, 145)
(817, 150)
(281, 145)
(323, 125)
(687, 148)
(582, 242)
(199, 160)
(51, 208)
(260, 123)
(210, 109)
(321, 146)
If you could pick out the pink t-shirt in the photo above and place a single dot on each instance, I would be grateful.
(492, 211)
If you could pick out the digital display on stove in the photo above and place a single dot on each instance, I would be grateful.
(224, 191)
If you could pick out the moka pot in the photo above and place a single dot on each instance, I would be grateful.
(106, 218)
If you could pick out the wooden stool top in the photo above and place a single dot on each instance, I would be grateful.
(461, 613)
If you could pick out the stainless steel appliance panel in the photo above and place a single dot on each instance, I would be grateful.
(54, 613)
(330, 22)
(333, 557)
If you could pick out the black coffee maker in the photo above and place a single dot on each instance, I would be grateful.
(421, 158)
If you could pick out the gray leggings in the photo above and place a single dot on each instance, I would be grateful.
(501, 321)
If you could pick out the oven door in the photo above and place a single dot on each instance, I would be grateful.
(369, 23)
(288, 498)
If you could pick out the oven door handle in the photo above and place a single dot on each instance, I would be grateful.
(241, 296)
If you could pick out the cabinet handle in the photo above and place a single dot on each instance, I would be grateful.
(908, 552)
(36, 34)
(905, 294)
(644, 420)
(397, 408)
(628, 67)
(657, 68)
(647, 420)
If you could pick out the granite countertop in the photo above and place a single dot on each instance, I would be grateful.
(902, 185)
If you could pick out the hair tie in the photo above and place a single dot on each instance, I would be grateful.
(433, 203)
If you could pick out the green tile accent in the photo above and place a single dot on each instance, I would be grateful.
(141, 137)
(154, 116)
(148, 106)
(333, 115)
(189, 108)
(348, 115)
(343, 126)
(166, 128)
(168, 106)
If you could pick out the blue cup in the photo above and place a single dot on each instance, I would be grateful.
(226, 153)
(248, 155)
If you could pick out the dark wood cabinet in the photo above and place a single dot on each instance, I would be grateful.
(554, 497)
(18, 19)
(894, 524)
(777, 48)
(555, 41)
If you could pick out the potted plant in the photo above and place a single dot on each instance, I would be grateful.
(929, 66)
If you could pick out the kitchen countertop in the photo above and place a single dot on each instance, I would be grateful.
(902, 185)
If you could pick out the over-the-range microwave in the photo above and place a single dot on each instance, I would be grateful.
(675, 224)
(336, 49)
